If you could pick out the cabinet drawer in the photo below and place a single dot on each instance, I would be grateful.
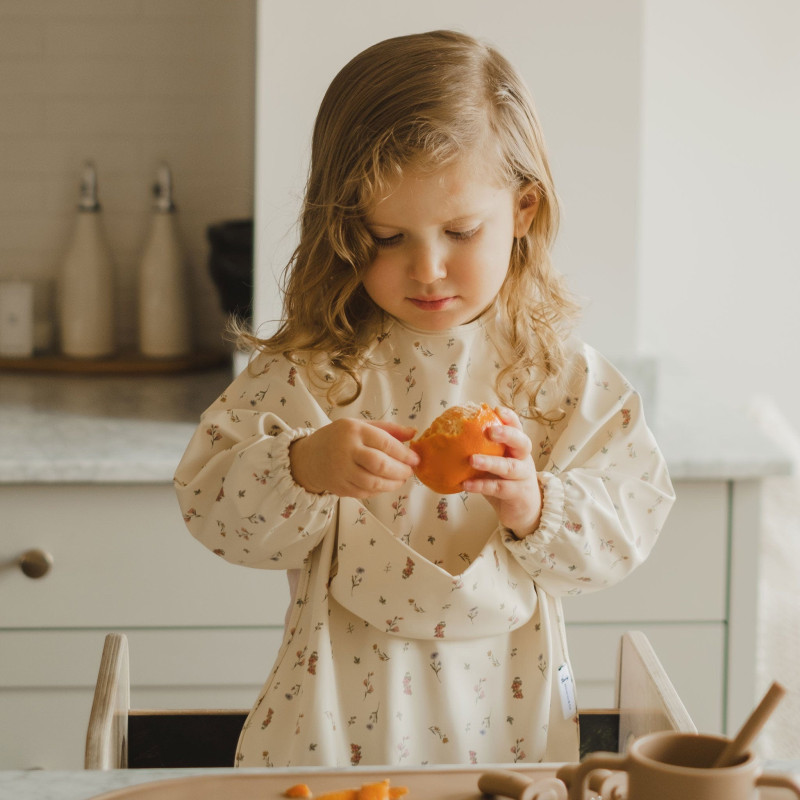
(158, 658)
(122, 558)
(685, 577)
(47, 681)
(693, 656)
(47, 729)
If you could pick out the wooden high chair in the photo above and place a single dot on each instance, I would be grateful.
(120, 738)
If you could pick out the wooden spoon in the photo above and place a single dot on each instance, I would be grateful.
(739, 745)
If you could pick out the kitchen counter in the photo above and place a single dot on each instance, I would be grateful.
(100, 429)
(706, 436)
(111, 429)
(84, 785)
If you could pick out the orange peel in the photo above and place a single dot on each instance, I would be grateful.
(446, 445)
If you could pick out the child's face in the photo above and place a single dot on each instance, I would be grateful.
(444, 242)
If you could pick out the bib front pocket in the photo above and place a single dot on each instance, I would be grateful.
(388, 584)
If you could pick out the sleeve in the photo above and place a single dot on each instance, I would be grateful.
(234, 483)
(605, 487)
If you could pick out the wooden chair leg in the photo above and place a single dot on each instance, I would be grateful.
(107, 734)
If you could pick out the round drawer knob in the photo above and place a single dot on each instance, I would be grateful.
(35, 563)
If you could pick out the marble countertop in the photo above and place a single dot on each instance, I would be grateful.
(705, 436)
(100, 429)
(134, 429)
(722, 444)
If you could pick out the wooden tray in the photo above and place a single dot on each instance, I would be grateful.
(433, 783)
(423, 783)
(124, 363)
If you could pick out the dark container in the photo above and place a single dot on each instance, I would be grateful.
(231, 265)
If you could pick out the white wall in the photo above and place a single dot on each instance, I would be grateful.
(126, 83)
(720, 259)
(673, 127)
(581, 61)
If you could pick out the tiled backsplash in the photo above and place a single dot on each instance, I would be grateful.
(127, 84)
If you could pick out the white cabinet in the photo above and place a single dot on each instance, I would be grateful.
(122, 556)
(202, 632)
(695, 598)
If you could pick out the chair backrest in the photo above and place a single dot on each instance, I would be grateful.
(119, 737)
(107, 734)
(646, 698)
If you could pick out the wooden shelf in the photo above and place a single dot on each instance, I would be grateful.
(124, 363)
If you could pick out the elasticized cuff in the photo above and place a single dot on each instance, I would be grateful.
(552, 517)
(282, 469)
(552, 507)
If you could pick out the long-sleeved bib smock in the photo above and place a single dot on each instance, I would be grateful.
(421, 630)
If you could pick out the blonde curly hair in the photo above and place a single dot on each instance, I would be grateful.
(419, 101)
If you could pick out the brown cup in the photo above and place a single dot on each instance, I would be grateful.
(678, 766)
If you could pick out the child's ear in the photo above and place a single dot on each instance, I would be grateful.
(526, 211)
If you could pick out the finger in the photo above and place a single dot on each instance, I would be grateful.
(507, 491)
(391, 445)
(509, 416)
(513, 469)
(381, 465)
(517, 442)
(367, 485)
(488, 487)
(403, 433)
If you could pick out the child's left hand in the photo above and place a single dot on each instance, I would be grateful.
(511, 486)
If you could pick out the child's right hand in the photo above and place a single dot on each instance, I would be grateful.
(353, 458)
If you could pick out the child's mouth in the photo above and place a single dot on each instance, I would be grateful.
(431, 304)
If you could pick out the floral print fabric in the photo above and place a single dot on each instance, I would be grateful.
(420, 630)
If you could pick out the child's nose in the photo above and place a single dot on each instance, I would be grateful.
(427, 264)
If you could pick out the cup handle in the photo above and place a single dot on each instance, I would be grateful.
(779, 782)
(590, 764)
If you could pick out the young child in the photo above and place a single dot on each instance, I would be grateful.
(424, 628)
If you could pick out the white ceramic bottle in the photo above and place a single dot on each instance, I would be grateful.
(164, 320)
(86, 284)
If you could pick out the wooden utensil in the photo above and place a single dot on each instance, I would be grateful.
(603, 783)
(737, 746)
(520, 787)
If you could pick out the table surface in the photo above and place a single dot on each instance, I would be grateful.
(432, 783)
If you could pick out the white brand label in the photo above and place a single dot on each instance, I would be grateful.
(566, 690)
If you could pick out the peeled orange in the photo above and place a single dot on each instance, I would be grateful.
(446, 446)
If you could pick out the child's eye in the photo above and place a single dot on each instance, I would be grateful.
(387, 241)
(461, 236)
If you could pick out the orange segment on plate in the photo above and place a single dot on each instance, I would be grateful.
(446, 446)
(368, 791)
(374, 791)
(298, 790)
(339, 794)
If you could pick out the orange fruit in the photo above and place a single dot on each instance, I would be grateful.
(446, 446)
